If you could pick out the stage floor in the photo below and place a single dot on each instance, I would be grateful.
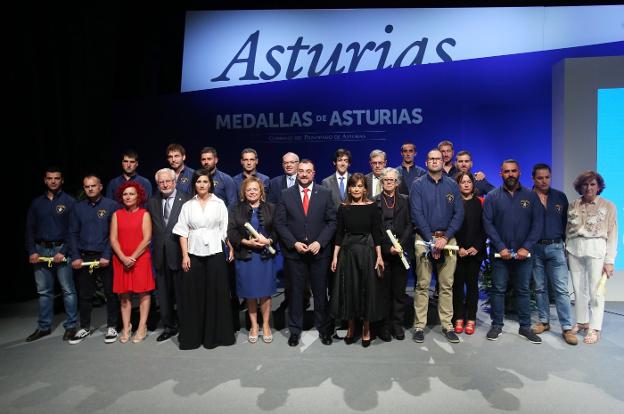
(511, 374)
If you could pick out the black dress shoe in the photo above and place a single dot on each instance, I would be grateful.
(399, 336)
(293, 340)
(385, 336)
(69, 334)
(38, 334)
(326, 339)
(166, 335)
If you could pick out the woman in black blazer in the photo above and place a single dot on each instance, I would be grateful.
(395, 216)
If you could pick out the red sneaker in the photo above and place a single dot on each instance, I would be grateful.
(470, 327)
(459, 326)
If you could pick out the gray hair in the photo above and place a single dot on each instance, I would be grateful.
(391, 170)
(377, 153)
(290, 153)
(168, 171)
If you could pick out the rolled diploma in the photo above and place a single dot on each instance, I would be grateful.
(397, 246)
(255, 234)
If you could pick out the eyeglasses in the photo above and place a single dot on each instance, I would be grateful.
(389, 180)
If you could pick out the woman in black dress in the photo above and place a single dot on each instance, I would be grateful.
(357, 261)
(471, 242)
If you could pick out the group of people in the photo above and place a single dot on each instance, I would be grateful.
(205, 239)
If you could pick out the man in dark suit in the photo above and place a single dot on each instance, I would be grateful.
(290, 162)
(306, 222)
(337, 182)
(164, 208)
(377, 160)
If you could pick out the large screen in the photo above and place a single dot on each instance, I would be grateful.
(610, 154)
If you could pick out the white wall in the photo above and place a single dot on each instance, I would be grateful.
(574, 121)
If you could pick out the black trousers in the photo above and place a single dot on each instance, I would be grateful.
(206, 314)
(86, 290)
(466, 275)
(314, 269)
(395, 276)
(169, 284)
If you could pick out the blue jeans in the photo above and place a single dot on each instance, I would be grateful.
(45, 288)
(550, 264)
(521, 271)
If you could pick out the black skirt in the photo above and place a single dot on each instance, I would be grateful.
(358, 293)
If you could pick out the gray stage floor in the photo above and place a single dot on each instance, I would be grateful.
(510, 375)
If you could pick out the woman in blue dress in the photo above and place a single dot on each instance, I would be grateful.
(255, 274)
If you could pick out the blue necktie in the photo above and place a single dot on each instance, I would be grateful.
(342, 188)
(291, 181)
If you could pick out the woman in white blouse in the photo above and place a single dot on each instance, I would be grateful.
(591, 242)
(205, 313)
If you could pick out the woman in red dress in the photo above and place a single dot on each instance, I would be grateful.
(130, 235)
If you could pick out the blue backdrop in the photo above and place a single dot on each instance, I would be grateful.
(497, 108)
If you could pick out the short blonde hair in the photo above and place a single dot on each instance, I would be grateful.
(246, 183)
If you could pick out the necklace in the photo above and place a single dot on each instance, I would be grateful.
(383, 196)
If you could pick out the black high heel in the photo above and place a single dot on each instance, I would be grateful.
(366, 343)
(350, 339)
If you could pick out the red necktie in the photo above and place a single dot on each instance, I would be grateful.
(306, 201)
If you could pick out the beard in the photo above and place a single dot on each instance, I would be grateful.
(510, 182)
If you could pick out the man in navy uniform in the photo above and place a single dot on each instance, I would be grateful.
(550, 267)
(463, 162)
(408, 169)
(513, 221)
(448, 168)
(89, 227)
(129, 165)
(47, 235)
(249, 162)
(176, 155)
(437, 213)
(224, 186)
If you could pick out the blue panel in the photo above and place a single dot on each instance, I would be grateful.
(610, 152)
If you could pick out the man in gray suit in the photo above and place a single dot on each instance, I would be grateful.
(377, 160)
(337, 182)
(164, 208)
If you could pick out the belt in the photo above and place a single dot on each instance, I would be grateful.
(549, 241)
(49, 244)
(90, 253)
(438, 233)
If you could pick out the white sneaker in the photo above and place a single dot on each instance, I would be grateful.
(80, 336)
(111, 335)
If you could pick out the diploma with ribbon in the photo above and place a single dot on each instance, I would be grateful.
(514, 255)
(49, 260)
(431, 244)
(254, 233)
(92, 265)
(398, 247)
